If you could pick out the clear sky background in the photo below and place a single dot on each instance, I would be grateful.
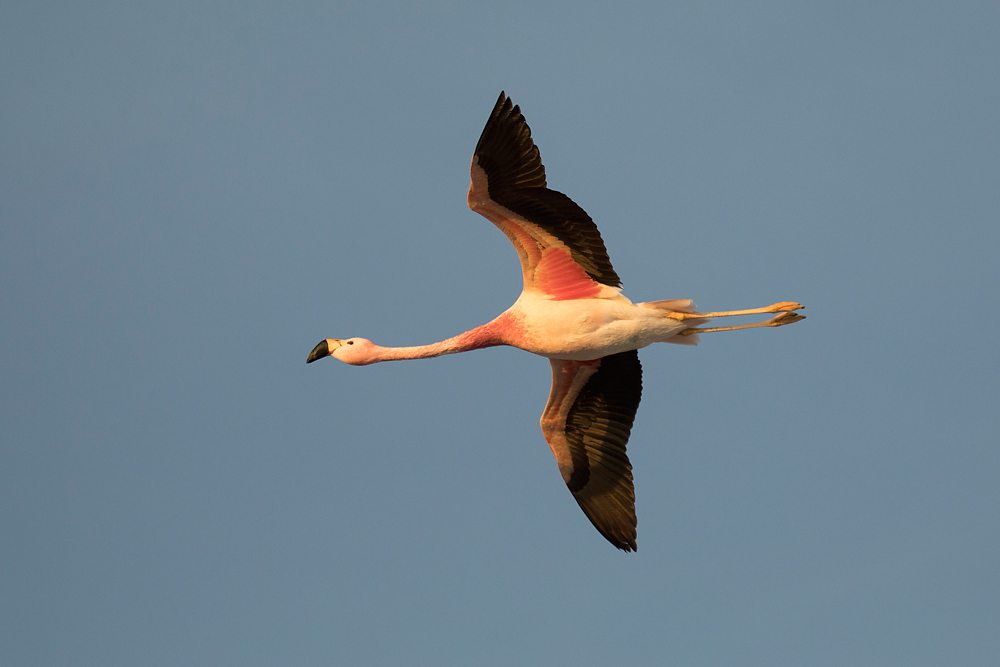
(193, 194)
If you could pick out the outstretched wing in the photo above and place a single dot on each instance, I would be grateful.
(587, 423)
(561, 251)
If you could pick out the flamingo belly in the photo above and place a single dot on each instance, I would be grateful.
(584, 329)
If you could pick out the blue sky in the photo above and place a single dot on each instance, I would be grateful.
(192, 195)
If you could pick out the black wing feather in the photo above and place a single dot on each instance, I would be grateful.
(597, 430)
(516, 180)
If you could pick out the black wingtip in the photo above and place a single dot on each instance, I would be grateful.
(621, 538)
(320, 351)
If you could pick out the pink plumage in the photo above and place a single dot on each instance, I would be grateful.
(571, 311)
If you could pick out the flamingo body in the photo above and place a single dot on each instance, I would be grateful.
(587, 329)
(571, 310)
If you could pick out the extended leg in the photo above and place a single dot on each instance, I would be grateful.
(783, 307)
(779, 321)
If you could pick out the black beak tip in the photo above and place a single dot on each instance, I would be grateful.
(320, 351)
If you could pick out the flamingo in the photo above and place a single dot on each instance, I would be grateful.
(571, 310)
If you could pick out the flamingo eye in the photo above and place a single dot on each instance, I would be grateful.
(350, 342)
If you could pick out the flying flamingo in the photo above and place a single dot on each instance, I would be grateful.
(571, 310)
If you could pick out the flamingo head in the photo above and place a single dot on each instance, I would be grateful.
(354, 351)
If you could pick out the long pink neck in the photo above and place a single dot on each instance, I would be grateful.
(500, 331)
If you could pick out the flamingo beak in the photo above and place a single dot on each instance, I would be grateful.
(324, 349)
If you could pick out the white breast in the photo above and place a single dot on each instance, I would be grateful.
(583, 329)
